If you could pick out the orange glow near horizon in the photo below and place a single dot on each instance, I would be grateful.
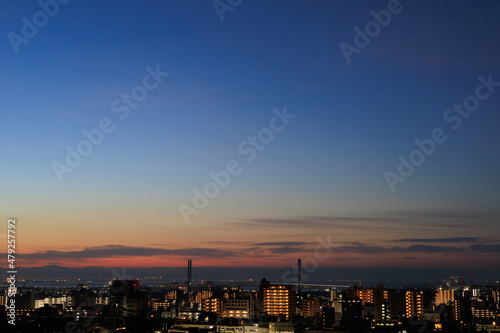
(333, 260)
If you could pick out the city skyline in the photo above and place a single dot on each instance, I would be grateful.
(146, 134)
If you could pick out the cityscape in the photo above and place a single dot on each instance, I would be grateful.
(125, 304)
(250, 166)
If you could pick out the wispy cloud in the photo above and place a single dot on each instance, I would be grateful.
(464, 214)
(389, 220)
(438, 240)
(259, 250)
(314, 222)
(426, 249)
(286, 249)
(109, 251)
(284, 243)
(492, 248)
(359, 248)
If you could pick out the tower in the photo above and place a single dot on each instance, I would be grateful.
(190, 277)
(299, 277)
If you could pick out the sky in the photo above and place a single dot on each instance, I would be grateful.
(251, 133)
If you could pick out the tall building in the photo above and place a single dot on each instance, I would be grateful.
(352, 309)
(462, 310)
(310, 307)
(445, 297)
(413, 302)
(365, 295)
(495, 294)
(83, 297)
(379, 300)
(387, 304)
(329, 317)
(417, 302)
(127, 299)
(279, 299)
(201, 295)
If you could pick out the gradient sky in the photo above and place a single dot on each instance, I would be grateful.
(322, 176)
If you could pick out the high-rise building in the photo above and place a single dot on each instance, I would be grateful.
(352, 309)
(366, 296)
(417, 302)
(413, 302)
(462, 307)
(387, 304)
(329, 317)
(279, 299)
(127, 299)
(201, 295)
(445, 296)
(495, 294)
(310, 307)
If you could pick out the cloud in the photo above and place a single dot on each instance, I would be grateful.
(286, 249)
(223, 242)
(448, 214)
(359, 248)
(284, 243)
(493, 248)
(390, 221)
(109, 251)
(427, 249)
(437, 240)
(263, 250)
(308, 222)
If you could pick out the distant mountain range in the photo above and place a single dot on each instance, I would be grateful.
(332, 275)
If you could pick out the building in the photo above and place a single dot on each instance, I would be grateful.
(282, 327)
(310, 307)
(238, 329)
(127, 299)
(352, 309)
(212, 305)
(61, 300)
(416, 302)
(280, 299)
(204, 294)
(462, 310)
(238, 308)
(82, 297)
(445, 296)
(173, 294)
(329, 317)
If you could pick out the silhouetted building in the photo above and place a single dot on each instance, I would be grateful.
(83, 297)
(127, 299)
(310, 307)
(329, 319)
